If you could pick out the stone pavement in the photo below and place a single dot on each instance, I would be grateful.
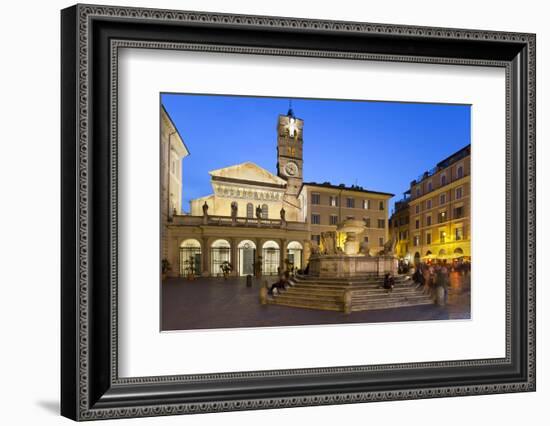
(216, 303)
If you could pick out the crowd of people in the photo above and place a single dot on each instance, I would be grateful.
(434, 275)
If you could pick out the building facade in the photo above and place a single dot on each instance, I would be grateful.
(439, 210)
(399, 227)
(262, 223)
(326, 205)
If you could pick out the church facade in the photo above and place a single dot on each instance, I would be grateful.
(260, 222)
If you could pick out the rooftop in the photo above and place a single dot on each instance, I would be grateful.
(443, 164)
(342, 186)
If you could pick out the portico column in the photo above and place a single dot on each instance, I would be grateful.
(205, 257)
(283, 255)
(233, 242)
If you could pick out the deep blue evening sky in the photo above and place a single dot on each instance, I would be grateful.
(381, 146)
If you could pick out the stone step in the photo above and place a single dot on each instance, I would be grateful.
(347, 279)
(388, 305)
(387, 297)
(348, 287)
(307, 304)
(309, 297)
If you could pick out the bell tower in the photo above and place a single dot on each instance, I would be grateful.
(290, 151)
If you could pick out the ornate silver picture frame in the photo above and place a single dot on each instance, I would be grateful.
(91, 37)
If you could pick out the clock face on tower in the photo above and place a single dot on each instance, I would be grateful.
(291, 169)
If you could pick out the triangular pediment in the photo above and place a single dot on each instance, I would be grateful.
(248, 172)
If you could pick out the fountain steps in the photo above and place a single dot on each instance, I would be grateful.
(365, 295)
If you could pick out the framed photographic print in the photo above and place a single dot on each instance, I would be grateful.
(263, 212)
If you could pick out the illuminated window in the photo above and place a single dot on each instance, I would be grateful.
(442, 236)
(333, 201)
(315, 198)
(458, 193)
(458, 233)
(315, 219)
(416, 240)
(366, 204)
(333, 219)
(350, 203)
(442, 217)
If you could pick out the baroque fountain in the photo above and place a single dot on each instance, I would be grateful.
(354, 259)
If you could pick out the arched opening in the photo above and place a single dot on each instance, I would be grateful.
(459, 172)
(247, 254)
(294, 252)
(265, 211)
(250, 211)
(271, 258)
(190, 258)
(220, 252)
(458, 250)
(428, 253)
(442, 252)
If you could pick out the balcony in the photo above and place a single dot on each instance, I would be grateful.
(188, 220)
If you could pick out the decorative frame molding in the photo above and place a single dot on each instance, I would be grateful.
(91, 37)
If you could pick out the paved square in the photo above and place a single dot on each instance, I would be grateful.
(207, 303)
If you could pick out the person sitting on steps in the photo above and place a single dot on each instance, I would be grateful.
(388, 283)
(280, 285)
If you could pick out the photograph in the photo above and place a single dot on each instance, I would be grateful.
(280, 212)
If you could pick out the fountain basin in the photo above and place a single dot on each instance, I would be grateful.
(349, 266)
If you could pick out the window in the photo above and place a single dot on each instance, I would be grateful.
(459, 212)
(315, 219)
(366, 204)
(458, 193)
(350, 203)
(428, 238)
(366, 239)
(417, 208)
(381, 223)
(381, 205)
(416, 224)
(316, 238)
(442, 199)
(443, 180)
(333, 201)
(458, 233)
(442, 217)
(315, 198)
(428, 204)
(249, 211)
(264, 211)
(459, 172)
(418, 192)
(367, 221)
(381, 241)
(333, 219)
(429, 186)
(428, 220)
(442, 236)
(416, 240)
